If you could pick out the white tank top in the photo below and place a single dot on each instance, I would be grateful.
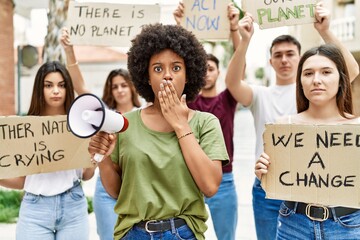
(50, 184)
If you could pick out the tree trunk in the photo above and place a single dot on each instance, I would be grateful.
(57, 16)
(7, 72)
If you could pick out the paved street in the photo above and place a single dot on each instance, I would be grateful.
(244, 142)
(244, 176)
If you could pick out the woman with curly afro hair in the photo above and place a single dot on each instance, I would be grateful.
(170, 156)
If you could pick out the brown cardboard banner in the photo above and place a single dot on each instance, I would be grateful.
(207, 19)
(279, 13)
(108, 24)
(313, 163)
(34, 144)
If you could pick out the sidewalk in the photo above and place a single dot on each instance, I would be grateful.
(244, 142)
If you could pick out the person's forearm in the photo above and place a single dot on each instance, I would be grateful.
(70, 56)
(14, 183)
(234, 79)
(236, 38)
(110, 177)
(88, 173)
(206, 173)
(74, 70)
(351, 63)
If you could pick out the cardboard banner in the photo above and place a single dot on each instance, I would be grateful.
(279, 13)
(34, 144)
(313, 163)
(207, 19)
(108, 24)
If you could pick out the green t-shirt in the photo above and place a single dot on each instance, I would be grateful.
(156, 183)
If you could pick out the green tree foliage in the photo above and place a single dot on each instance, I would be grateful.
(260, 73)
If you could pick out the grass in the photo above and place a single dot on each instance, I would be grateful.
(90, 204)
(10, 205)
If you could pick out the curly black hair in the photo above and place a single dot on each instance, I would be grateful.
(155, 38)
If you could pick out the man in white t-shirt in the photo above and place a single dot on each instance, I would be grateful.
(269, 103)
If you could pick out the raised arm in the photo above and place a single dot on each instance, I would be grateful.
(322, 25)
(233, 16)
(72, 64)
(234, 79)
(179, 13)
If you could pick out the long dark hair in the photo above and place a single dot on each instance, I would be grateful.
(343, 96)
(37, 103)
(108, 97)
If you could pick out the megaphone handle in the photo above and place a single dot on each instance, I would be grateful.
(98, 157)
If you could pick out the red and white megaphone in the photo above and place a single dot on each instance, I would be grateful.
(89, 115)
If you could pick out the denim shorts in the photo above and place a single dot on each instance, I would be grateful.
(293, 225)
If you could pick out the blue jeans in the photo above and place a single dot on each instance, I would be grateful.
(61, 217)
(105, 215)
(298, 226)
(224, 208)
(266, 212)
(180, 233)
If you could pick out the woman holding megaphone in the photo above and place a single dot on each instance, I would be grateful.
(119, 94)
(170, 156)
